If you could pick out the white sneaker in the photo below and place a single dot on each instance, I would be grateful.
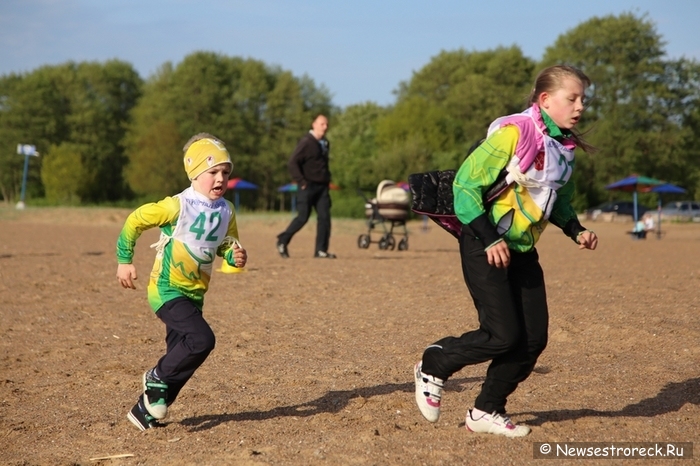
(494, 424)
(428, 393)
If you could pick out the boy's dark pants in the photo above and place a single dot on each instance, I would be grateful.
(189, 341)
(315, 195)
(513, 321)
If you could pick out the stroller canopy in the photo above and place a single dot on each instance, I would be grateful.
(388, 192)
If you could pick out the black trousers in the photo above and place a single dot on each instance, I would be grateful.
(315, 195)
(189, 340)
(513, 322)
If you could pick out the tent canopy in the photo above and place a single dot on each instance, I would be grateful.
(666, 188)
(645, 184)
(633, 183)
(236, 184)
(240, 183)
(288, 188)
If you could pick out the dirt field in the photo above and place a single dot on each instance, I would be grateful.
(314, 357)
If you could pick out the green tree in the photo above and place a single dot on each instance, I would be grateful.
(448, 105)
(86, 104)
(690, 147)
(63, 173)
(354, 151)
(101, 97)
(160, 171)
(257, 110)
(32, 111)
(473, 88)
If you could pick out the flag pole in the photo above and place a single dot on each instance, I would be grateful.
(28, 151)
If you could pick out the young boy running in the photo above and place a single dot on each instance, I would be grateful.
(196, 225)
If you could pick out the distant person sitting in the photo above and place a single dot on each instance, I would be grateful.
(642, 227)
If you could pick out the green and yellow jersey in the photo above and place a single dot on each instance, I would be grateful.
(194, 230)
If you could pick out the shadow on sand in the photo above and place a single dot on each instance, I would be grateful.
(671, 398)
(332, 402)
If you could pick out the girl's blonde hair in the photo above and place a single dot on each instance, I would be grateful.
(552, 79)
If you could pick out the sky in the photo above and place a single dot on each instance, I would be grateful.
(360, 50)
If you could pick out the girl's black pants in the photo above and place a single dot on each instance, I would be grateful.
(513, 319)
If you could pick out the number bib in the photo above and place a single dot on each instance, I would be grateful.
(545, 165)
(186, 249)
(201, 227)
(550, 171)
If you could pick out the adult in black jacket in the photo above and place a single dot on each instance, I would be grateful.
(308, 166)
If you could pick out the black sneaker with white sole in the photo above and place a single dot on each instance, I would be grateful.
(155, 395)
(141, 418)
(282, 249)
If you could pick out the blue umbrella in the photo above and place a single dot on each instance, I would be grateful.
(239, 183)
(293, 188)
(290, 188)
(666, 188)
(632, 184)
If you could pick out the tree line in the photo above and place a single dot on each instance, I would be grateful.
(106, 135)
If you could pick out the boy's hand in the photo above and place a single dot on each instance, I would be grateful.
(126, 274)
(587, 240)
(240, 255)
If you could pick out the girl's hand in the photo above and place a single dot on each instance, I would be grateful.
(498, 254)
(240, 255)
(587, 240)
(126, 274)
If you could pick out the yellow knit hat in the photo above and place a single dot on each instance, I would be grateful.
(204, 154)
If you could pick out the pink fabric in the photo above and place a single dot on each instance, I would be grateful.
(432, 403)
(531, 140)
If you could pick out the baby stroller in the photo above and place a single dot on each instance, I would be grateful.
(391, 206)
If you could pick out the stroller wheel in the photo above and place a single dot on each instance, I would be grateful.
(387, 242)
(403, 244)
(363, 241)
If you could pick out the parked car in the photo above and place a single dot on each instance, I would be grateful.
(681, 210)
(617, 207)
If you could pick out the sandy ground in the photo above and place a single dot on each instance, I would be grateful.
(313, 359)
